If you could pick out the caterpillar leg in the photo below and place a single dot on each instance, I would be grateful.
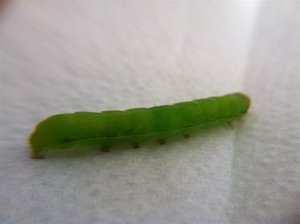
(186, 135)
(230, 124)
(162, 141)
(36, 157)
(105, 149)
(135, 145)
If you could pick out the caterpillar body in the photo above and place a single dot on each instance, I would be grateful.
(108, 128)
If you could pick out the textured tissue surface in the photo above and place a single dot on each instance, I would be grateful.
(63, 56)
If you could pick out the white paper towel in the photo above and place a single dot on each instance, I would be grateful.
(65, 56)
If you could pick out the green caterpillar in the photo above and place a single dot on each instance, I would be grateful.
(136, 125)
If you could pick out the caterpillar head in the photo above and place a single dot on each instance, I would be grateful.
(55, 132)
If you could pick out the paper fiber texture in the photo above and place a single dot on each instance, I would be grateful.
(65, 56)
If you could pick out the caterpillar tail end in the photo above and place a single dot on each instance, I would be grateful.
(246, 98)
